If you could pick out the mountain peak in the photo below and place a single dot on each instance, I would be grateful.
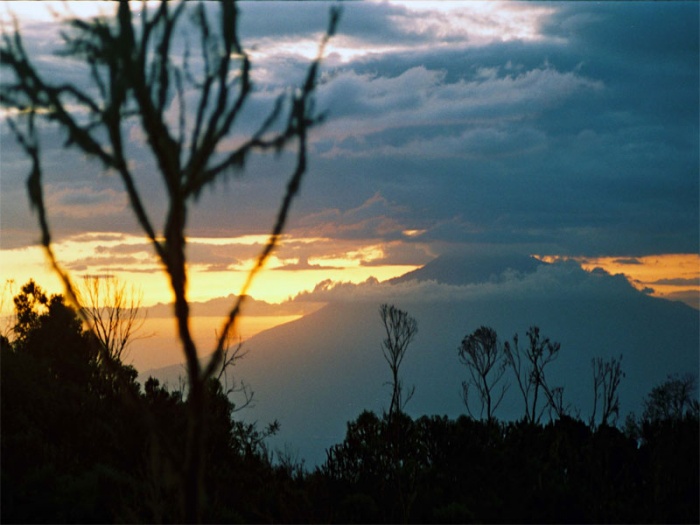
(472, 266)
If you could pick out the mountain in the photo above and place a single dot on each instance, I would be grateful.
(472, 266)
(319, 372)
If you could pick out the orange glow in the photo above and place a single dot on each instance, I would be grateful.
(222, 241)
(670, 276)
(131, 259)
(278, 285)
(18, 266)
(158, 344)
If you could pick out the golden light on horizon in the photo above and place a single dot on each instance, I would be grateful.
(130, 258)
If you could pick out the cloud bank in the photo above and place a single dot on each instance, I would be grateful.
(567, 128)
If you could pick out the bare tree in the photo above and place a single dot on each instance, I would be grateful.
(6, 323)
(233, 352)
(528, 365)
(606, 382)
(555, 401)
(400, 330)
(133, 79)
(113, 310)
(484, 358)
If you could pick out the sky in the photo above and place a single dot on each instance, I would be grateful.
(563, 130)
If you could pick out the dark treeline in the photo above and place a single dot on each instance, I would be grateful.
(82, 441)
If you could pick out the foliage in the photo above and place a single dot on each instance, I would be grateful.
(471, 471)
(80, 444)
(674, 399)
(131, 79)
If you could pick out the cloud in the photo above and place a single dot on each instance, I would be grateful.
(107, 264)
(126, 248)
(689, 297)
(546, 280)
(84, 202)
(303, 264)
(676, 282)
(514, 124)
(629, 260)
(386, 115)
(221, 305)
(375, 217)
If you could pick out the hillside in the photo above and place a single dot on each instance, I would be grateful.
(318, 372)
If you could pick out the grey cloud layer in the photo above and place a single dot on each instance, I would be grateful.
(547, 280)
(583, 141)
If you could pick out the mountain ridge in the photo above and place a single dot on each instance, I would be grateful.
(318, 372)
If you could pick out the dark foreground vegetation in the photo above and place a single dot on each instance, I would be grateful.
(82, 441)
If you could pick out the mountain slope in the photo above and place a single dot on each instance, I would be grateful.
(320, 371)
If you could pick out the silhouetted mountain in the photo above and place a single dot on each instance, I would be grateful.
(319, 372)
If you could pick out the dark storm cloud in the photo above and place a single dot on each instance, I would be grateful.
(371, 23)
(612, 168)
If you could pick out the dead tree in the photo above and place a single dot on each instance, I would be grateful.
(606, 382)
(484, 358)
(6, 323)
(400, 330)
(233, 352)
(113, 310)
(133, 79)
(528, 365)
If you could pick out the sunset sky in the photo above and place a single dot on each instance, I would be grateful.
(562, 130)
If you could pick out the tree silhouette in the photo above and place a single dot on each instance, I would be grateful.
(484, 358)
(401, 470)
(528, 365)
(232, 353)
(673, 399)
(82, 443)
(114, 312)
(606, 381)
(65, 422)
(133, 79)
(28, 305)
(400, 329)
